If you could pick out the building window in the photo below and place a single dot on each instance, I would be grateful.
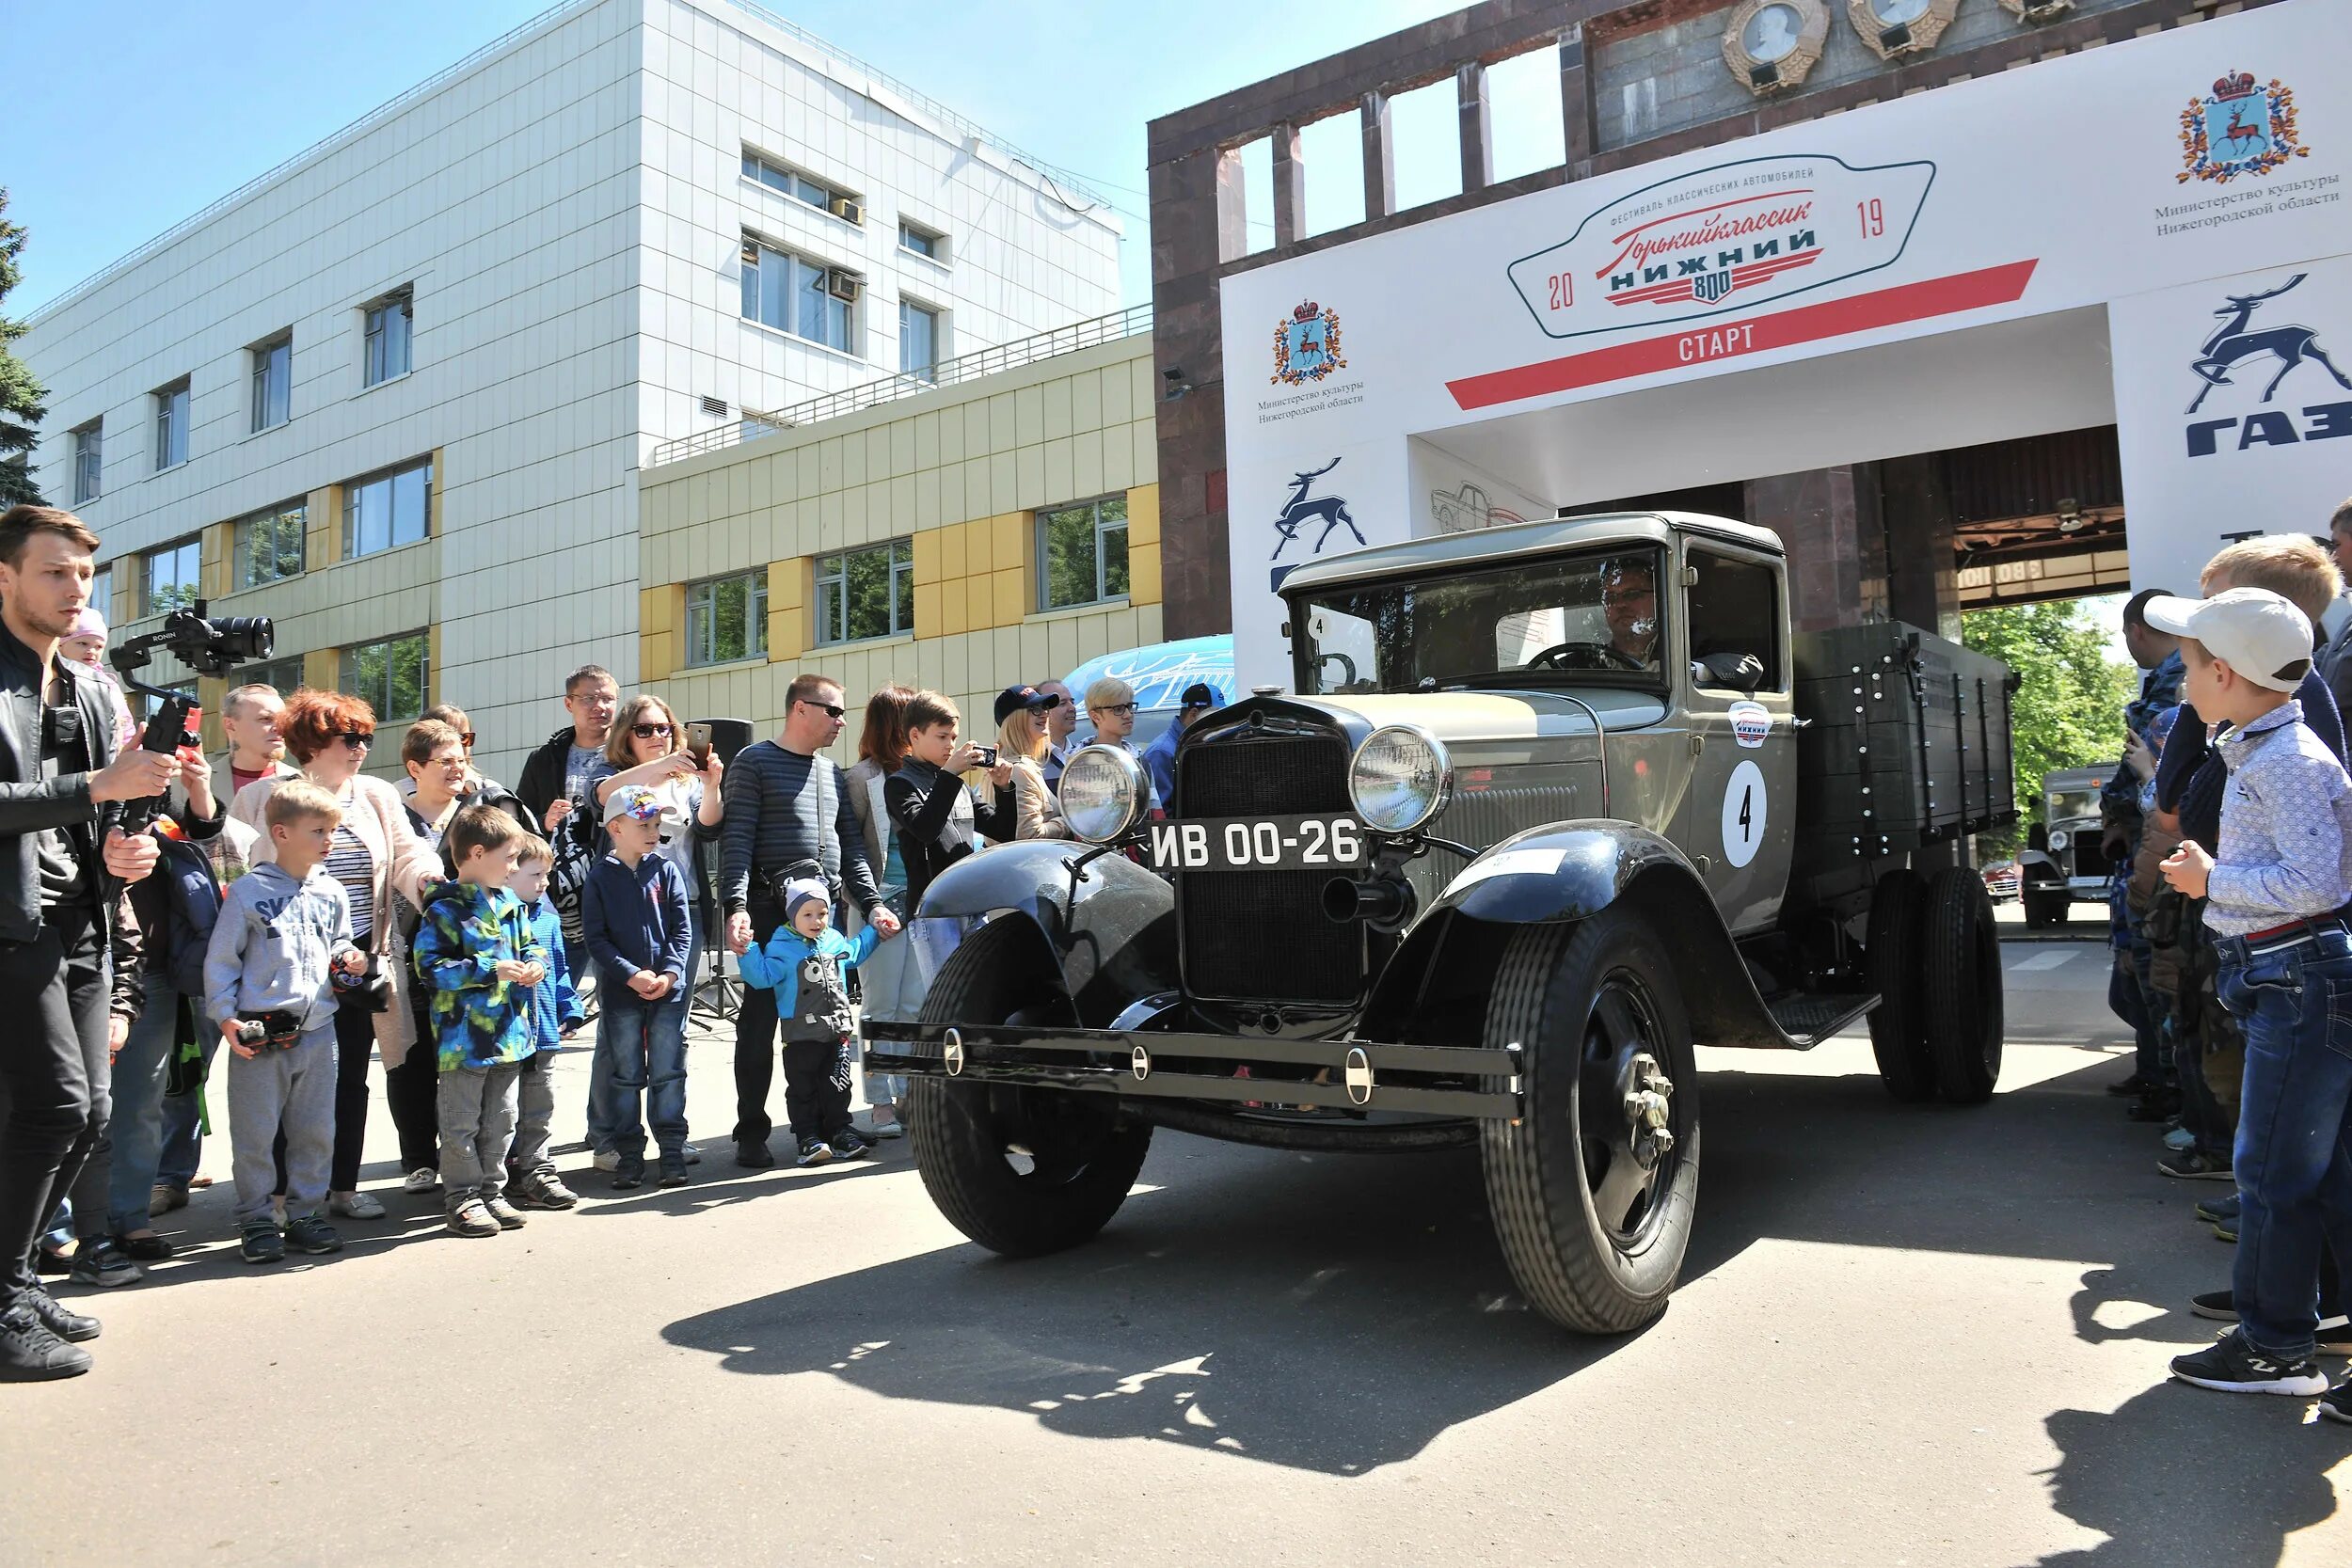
(918, 340)
(281, 675)
(867, 593)
(726, 618)
(102, 593)
(791, 183)
(389, 676)
(273, 382)
(1082, 553)
(172, 577)
(270, 544)
(386, 511)
(794, 295)
(88, 447)
(171, 426)
(922, 241)
(388, 340)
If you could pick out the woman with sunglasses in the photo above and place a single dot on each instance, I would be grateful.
(374, 854)
(646, 746)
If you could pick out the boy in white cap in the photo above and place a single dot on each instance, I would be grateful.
(804, 963)
(2275, 894)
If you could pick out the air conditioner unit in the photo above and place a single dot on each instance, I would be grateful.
(843, 284)
(847, 208)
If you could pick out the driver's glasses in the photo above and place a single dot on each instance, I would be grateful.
(1629, 595)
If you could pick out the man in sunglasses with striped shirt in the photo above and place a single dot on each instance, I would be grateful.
(787, 815)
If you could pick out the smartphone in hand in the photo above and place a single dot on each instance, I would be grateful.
(698, 744)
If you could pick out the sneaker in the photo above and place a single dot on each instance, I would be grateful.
(49, 1260)
(424, 1179)
(358, 1206)
(61, 1320)
(753, 1155)
(2125, 1088)
(2194, 1166)
(881, 1122)
(2235, 1367)
(471, 1218)
(146, 1248)
(2161, 1106)
(607, 1160)
(694, 1156)
(2221, 1208)
(31, 1353)
(630, 1173)
(508, 1216)
(101, 1263)
(309, 1233)
(2333, 1336)
(2336, 1403)
(847, 1144)
(2179, 1140)
(262, 1244)
(542, 1191)
(674, 1173)
(165, 1196)
(2227, 1229)
(814, 1151)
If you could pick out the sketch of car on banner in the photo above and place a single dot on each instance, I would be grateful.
(1159, 672)
(1460, 511)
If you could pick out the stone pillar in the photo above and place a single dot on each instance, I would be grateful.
(1187, 337)
(1829, 522)
(1922, 566)
(1233, 209)
(1478, 141)
(1576, 102)
(1290, 188)
(1379, 157)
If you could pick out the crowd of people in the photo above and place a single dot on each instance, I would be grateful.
(2230, 826)
(296, 913)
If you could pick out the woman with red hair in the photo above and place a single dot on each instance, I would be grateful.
(374, 854)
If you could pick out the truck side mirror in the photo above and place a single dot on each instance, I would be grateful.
(1742, 672)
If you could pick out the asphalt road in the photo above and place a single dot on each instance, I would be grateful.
(1904, 1335)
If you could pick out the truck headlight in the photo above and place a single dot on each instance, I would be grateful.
(2060, 839)
(1103, 793)
(1400, 777)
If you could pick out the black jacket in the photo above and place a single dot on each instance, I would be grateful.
(921, 800)
(28, 805)
(541, 784)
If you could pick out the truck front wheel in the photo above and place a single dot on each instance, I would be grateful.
(1020, 1171)
(1960, 954)
(1593, 1189)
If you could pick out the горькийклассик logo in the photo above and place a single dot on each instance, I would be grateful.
(1306, 345)
(2240, 128)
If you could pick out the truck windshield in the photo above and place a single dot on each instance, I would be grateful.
(1597, 615)
(2066, 806)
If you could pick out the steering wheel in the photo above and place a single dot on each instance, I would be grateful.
(1589, 656)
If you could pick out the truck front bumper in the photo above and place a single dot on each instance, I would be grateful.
(1344, 1075)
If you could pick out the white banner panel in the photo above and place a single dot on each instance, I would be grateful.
(2137, 168)
(2233, 410)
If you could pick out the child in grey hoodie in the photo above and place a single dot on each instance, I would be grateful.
(284, 928)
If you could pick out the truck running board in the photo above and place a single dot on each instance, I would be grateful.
(1808, 1018)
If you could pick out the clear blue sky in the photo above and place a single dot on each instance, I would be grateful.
(125, 115)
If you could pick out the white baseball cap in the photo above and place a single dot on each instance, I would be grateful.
(2252, 630)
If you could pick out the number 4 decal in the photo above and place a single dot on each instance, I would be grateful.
(1745, 814)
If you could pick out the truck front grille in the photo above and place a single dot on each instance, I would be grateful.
(1261, 935)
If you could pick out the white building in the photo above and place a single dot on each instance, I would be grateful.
(393, 393)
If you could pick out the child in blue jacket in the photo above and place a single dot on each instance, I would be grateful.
(633, 912)
(802, 963)
(556, 1015)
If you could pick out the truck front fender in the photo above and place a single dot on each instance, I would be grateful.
(1111, 929)
(1442, 973)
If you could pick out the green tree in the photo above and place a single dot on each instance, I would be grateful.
(2069, 707)
(21, 394)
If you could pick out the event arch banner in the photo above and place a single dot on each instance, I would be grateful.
(2137, 177)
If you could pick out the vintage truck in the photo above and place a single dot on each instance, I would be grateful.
(2063, 863)
(1548, 804)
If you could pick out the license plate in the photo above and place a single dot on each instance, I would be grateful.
(1259, 844)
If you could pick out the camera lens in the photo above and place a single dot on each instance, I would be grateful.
(244, 637)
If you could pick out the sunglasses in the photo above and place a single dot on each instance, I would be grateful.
(358, 741)
(833, 710)
(1124, 711)
(646, 732)
(468, 739)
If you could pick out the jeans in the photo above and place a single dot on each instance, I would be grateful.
(477, 1108)
(281, 1125)
(604, 1132)
(140, 1069)
(52, 1072)
(641, 1046)
(185, 1115)
(2294, 1154)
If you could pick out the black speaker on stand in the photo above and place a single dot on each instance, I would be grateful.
(718, 996)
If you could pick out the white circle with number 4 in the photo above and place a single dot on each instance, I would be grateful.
(1743, 813)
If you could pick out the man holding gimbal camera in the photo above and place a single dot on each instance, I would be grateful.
(63, 860)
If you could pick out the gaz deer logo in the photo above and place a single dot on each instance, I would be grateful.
(1720, 239)
(1307, 346)
(2237, 340)
(1298, 512)
(2239, 129)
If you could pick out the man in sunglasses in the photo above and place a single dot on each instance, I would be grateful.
(787, 809)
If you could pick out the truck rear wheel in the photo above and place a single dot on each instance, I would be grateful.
(1899, 1024)
(1593, 1190)
(1020, 1171)
(1962, 949)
